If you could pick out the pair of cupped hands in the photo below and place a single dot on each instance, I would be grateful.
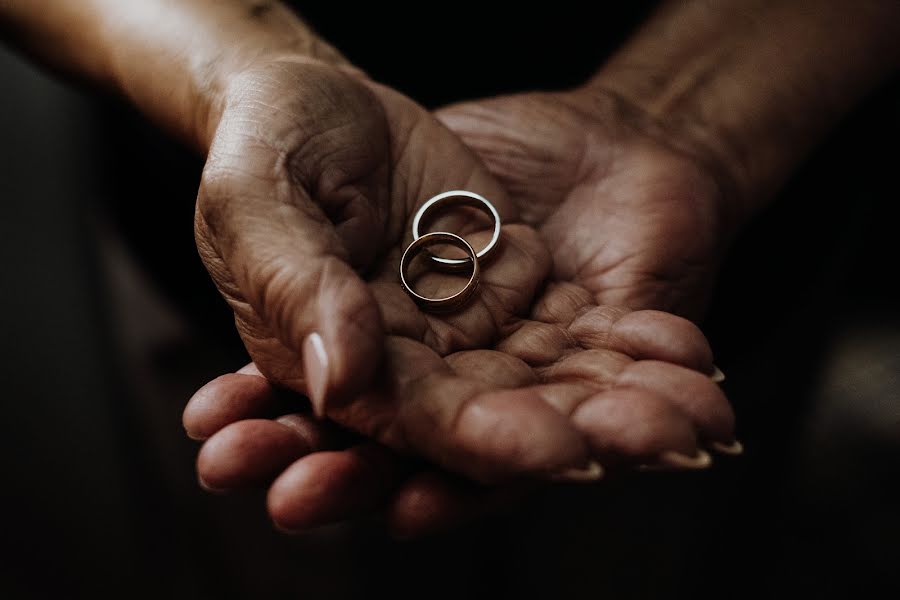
(576, 355)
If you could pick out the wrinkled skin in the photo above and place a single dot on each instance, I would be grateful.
(314, 176)
(630, 214)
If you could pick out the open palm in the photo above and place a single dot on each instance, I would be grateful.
(631, 215)
(300, 194)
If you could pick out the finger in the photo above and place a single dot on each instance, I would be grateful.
(496, 368)
(467, 426)
(644, 334)
(282, 237)
(227, 399)
(432, 502)
(252, 452)
(250, 369)
(308, 305)
(328, 487)
(538, 344)
(623, 425)
(502, 435)
(695, 394)
(635, 424)
(655, 335)
(577, 375)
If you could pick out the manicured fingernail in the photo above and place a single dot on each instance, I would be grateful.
(701, 460)
(717, 376)
(285, 530)
(676, 461)
(593, 471)
(734, 448)
(315, 369)
(250, 369)
(209, 488)
(195, 436)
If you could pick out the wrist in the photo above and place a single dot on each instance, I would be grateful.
(216, 86)
(176, 59)
(752, 89)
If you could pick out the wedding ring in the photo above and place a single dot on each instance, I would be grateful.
(449, 303)
(459, 198)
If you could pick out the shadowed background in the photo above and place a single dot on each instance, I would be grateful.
(109, 323)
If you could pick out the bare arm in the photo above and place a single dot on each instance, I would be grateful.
(756, 83)
(170, 57)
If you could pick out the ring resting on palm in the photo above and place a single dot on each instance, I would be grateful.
(458, 198)
(420, 243)
(448, 303)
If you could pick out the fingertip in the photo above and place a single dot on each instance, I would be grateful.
(341, 355)
(327, 487)
(248, 453)
(514, 433)
(693, 393)
(432, 502)
(206, 487)
(657, 335)
(420, 507)
(316, 369)
(250, 369)
(634, 424)
(427, 506)
(281, 501)
(225, 400)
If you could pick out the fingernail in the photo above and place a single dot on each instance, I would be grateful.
(315, 370)
(670, 460)
(701, 460)
(195, 436)
(250, 369)
(285, 530)
(209, 488)
(717, 376)
(593, 471)
(735, 448)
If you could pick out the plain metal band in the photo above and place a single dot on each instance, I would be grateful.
(460, 198)
(450, 302)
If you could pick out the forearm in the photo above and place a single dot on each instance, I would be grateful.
(170, 57)
(756, 82)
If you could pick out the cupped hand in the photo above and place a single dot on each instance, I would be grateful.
(633, 213)
(312, 178)
(303, 212)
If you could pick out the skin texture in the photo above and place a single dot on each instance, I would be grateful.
(630, 217)
(617, 197)
(505, 388)
(658, 187)
(577, 348)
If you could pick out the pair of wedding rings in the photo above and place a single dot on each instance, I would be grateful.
(421, 242)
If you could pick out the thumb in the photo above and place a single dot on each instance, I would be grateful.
(307, 318)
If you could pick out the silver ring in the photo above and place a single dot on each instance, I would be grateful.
(451, 302)
(460, 198)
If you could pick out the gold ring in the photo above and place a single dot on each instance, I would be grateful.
(449, 303)
(459, 198)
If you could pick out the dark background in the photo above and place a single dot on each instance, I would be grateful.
(109, 323)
